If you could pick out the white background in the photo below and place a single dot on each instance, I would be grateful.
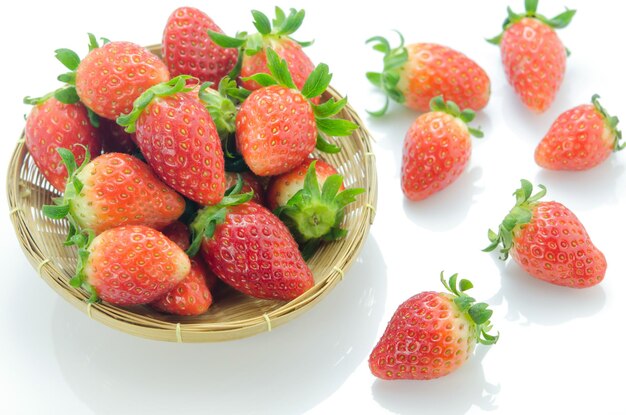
(561, 350)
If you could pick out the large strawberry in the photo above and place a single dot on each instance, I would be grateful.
(277, 125)
(432, 334)
(114, 189)
(416, 73)
(128, 265)
(548, 241)
(59, 120)
(111, 77)
(188, 50)
(250, 249)
(579, 139)
(311, 201)
(533, 56)
(178, 138)
(437, 148)
(275, 36)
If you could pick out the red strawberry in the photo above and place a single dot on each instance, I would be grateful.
(178, 138)
(533, 55)
(191, 296)
(250, 249)
(111, 77)
(188, 49)
(416, 73)
(115, 139)
(437, 148)
(250, 183)
(277, 126)
(129, 265)
(112, 190)
(432, 334)
(548, 241)
(52, 124)
(579, 139)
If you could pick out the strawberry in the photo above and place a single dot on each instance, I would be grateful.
(310, 200)
(437, 148)
(111, 77)
(112, 190)
(250, 249)
(179, 140)
(128, 265)
(533, 55)
(432, 334)
(251, 47)
(277, 125)
(579, 139)
(115, 139)
(548, 241)
(251, 183)
(54, 123)
(187, 48)
(416, 73)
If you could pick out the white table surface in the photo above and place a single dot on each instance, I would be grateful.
(560, 349)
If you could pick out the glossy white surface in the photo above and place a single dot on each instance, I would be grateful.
(560, 350)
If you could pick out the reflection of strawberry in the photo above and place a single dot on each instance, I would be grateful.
(548, 241)
(432, 334)
(579, 139)
(533, 55)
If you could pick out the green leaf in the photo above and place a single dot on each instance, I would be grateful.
(291, 23)
(311, 185)
(226, 41)
(329, 108)
(375, 78)
(279, 69)
(476, 132)
(562, 20)
(280, 17)
(331, 187)
(467, 115)
(326, 147)
(56, 212)
(480, 313)
(67, 95)
(93, 118)
(68, 78)
(261, 22)
(438, 104)
(254, 44)
(68, 159)
(335, 127)
(496, 40)
(381, 45)
(382, 111)
(348, 196)
(262, 79)
(395, 59)
(68, 58)
(317, 82)
(531, 6)
(465, 285)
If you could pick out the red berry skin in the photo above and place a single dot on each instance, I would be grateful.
(426, 338)
(579, 139)
(179, 140)
(110, 78)
(284, 187)
(275, 130)
(253, 252)
(131, 265)
(250, 183)
(51, 125)
(119, 189)
(555, 247)
(534, 61)
(115, 139)
(433, 70)
(178, 233)
(436, 150)
(188, 50)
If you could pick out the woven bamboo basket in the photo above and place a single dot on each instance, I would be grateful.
(233, 315)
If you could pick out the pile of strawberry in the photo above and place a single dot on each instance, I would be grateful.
(432, 333)
(181, 172)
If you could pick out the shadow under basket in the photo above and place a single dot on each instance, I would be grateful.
(233, 315)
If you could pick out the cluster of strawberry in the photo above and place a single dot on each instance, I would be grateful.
(432, 334)
(191, 152)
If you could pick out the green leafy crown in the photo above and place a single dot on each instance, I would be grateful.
(611, 123)
(449, 107)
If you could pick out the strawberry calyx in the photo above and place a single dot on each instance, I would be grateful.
(82, 240)
(315, 85)
(557, 22)
(611, 122)
(222, 104)
(520, 215)
(206, 220)
(387, 80)
(315, 214)
(164, 89)
(478, 313)
(449, 107)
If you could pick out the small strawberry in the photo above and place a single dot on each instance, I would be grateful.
(128, 265)
(432, 334)
(188, 50)
(115, 139)
(579, 139)
(275, 36)
(416, 73)
(250, 183)
(277, 125)
(250, 249)
(54, 123)
(437, 148)
(114, 189)
(533, 56)
(548, 241)
(179, 140)
(111, 77)
(311, 201)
